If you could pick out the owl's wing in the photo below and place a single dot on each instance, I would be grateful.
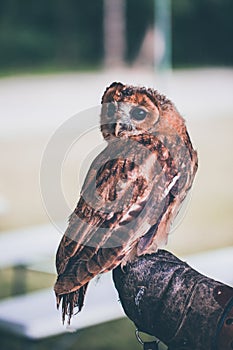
(186, 161)
(113, 189)
(115, 209)
(122, 200)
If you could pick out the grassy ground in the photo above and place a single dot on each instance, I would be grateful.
(113, 335)
(33, 281)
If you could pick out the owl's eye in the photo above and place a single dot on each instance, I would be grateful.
(111, 110)
(138, 114)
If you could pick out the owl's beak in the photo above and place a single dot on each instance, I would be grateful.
(119, 127)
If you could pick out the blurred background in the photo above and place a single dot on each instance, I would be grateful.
(56, 59)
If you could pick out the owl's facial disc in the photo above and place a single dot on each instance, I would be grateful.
(127, 116)
(129, 123)
(123, 119)
(131, 119)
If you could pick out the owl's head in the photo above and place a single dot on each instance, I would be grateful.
(128, 110)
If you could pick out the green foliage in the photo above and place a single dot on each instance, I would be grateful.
(69, 34)
(202, 32)
(65, 33)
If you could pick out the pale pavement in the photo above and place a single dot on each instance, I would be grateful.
(42, 103)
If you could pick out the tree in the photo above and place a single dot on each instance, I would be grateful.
(114, 32)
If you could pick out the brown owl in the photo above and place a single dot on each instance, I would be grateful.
(132, 192)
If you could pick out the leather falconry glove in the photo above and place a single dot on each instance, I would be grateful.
(168, 299)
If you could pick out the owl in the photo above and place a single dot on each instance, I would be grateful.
(132, 192)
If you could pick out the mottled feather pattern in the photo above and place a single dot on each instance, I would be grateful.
(132, 192)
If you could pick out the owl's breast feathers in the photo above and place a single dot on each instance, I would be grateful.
(131, 194)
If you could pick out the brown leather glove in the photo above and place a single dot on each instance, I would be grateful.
(168, 299)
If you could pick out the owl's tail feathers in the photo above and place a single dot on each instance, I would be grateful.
(71, 300)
